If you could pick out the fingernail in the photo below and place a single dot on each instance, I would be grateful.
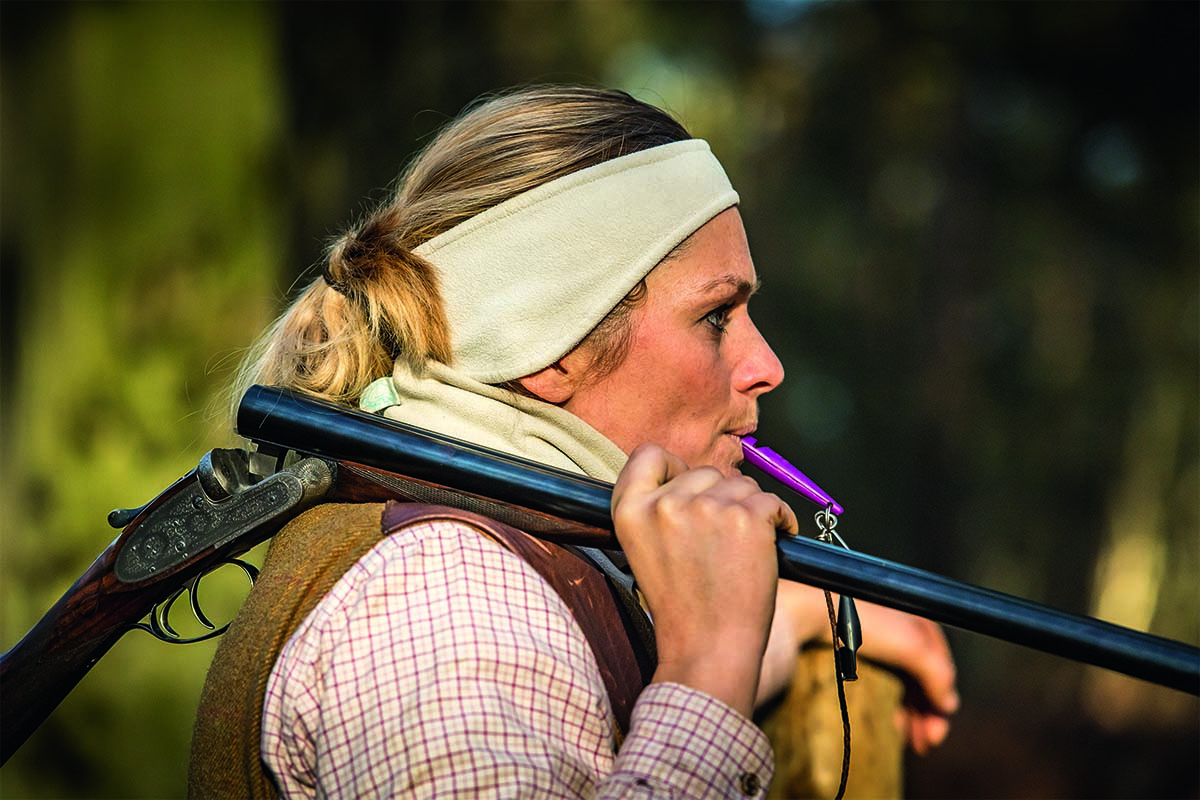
(939, 729)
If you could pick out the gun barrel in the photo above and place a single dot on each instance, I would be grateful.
(291, 421)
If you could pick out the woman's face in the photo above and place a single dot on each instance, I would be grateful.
(696, 364)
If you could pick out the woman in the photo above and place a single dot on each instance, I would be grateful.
(563, 275)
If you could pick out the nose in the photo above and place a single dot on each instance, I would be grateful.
(759, 370)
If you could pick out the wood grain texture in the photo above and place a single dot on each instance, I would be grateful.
(805, 728)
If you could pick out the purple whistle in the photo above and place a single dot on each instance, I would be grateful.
(778, 468)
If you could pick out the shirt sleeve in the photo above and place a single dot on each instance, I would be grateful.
(443, 665)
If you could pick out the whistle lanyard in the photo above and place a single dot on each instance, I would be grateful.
(847, 636)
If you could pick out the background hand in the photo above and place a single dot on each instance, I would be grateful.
(910, 645)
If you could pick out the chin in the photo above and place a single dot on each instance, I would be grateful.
(730, 467)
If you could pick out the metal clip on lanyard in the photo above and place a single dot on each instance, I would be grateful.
(848, 631)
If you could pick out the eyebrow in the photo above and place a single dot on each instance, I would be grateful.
(743, 287)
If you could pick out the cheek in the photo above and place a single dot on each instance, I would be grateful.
(708, 379)
(682, 388)
(693, 384)
(703, 409)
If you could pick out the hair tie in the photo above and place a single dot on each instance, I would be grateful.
(338, 286)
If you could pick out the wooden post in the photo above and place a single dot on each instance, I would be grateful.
(806, 732)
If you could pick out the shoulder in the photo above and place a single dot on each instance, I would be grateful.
(435, 591)
(443, 558)
(437, 630)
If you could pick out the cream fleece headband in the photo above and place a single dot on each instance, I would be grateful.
(525, 281)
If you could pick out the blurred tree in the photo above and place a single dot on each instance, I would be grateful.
(140, 154)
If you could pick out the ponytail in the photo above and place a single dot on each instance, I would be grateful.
(375, 302)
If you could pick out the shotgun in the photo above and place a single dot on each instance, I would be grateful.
(305, 451)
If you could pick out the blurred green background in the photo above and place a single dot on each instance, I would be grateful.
(977, 224)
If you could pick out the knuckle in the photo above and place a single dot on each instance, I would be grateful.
(708, 473)
(748, 482)
(628, 514)
(671, 505)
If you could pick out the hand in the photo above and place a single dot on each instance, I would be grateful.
(911, 645)
(702, 549)
(917, 648)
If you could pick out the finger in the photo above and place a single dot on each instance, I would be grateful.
(784, 518)
(918, 648)
(710, 481)
(705, 488)
(936, 671)
(649, 467)
(935, 730)
(778, 513)
(922, 731)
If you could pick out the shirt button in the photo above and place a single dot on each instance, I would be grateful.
(749, 783)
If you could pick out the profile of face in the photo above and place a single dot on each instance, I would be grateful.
(696, 365)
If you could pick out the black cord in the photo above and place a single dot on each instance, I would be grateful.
(841, 687)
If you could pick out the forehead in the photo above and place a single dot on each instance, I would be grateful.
(713, 260)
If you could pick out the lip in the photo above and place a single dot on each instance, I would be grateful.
(743, 432)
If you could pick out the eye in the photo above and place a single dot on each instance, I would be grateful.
(718, 318)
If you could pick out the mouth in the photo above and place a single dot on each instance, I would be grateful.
(738, 435)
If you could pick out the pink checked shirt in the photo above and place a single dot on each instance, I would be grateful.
(443, 665)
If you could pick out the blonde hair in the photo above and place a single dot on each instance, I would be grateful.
(377, 301)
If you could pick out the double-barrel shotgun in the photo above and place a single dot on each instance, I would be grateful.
(303, 452)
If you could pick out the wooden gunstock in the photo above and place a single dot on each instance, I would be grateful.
(175, 539)
(40, 670)
(52, 658)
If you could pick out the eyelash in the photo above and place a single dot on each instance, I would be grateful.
(718, 318)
